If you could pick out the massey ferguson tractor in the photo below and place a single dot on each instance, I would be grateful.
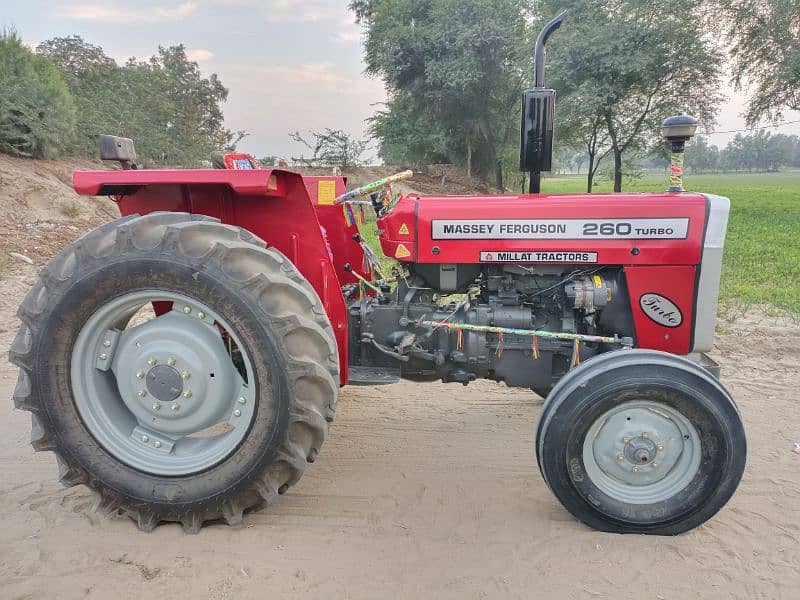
(184, 361)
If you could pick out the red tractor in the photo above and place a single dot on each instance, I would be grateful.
(184, 361)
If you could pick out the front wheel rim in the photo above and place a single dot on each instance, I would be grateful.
(164, 396)
(641, 452)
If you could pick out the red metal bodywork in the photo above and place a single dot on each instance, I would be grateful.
(296, 215)
(276, 205)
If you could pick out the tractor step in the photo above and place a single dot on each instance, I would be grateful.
(373, 376)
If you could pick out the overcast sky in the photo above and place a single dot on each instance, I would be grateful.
(289, 64)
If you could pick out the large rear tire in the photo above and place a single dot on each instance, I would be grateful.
(639, 441)
(207, 410)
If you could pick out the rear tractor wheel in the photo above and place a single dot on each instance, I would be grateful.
(177, 367)
(639, 441)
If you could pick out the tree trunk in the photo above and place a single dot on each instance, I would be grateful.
(590, 173)
(469, 158)
(499, 176)
(617, 169)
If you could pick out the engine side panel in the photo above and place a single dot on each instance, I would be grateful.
(613, 229)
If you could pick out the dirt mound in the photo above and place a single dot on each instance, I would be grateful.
(40, 210)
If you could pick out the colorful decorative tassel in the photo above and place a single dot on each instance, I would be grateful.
(459, 339)
(535, 348)
(499, 351)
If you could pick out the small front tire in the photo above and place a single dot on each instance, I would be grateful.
(640, 441)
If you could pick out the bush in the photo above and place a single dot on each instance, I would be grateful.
(37, 114)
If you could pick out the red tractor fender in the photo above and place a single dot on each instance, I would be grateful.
(274, 204)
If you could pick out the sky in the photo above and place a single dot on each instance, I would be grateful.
(289, 64)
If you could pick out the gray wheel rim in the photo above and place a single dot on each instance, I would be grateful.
(164, 396)
(641, 452)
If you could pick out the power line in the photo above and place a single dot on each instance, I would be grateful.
(781, 124)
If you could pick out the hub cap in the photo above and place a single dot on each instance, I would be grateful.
(641, 452)
(163, 396)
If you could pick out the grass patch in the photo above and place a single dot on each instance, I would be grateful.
(71, 210)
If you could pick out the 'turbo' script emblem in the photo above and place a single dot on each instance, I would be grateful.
(661, 310)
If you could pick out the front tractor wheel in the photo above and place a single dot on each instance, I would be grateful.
(177, 367)
(639, 441)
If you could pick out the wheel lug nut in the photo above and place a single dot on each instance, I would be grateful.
(660, 446)
(242, 400)
(140, 374)
(237, 413)
(635, 469)
(152, 361)
(620, 457)
(142, 393)
(175, 407)
(157, 444)
(645, 435)
(106, 343)
(654, 465)
(145, 439)
(156, 406)
(201, 315)
(187, 394)
(187, 309)
(185, 374)
(171, 361)
(626, 439)
(103, 356)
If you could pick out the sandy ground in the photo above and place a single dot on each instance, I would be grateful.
(421, 491)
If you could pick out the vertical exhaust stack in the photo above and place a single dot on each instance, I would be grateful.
(538, 114)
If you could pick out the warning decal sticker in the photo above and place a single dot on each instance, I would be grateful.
(326, 191)
(401, 252)
(539, 256)
(403, 230)
(560, 229)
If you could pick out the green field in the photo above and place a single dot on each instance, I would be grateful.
(762, 251)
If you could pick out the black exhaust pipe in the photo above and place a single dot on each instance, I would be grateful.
(538, 113)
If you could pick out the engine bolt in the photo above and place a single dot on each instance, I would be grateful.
(152, 361)
(103, 356)
(237, 413)
(157, 444)
(187, 394)
(645, 435)
(201, 315)
(635, 469)
(156, 406)
(171, 361)
(185, 374)
(620, 457)
(242, 400)
(145, 439)
(106, 343)
(187, 309)
(142, 393)
(175, 407)
(140, 374)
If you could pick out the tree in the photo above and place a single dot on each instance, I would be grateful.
(765, 47)
(91, 76)
(632, 63)
(457, 63)
(37, 113)
(164, 103)
(331, 148)
(700, 156)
